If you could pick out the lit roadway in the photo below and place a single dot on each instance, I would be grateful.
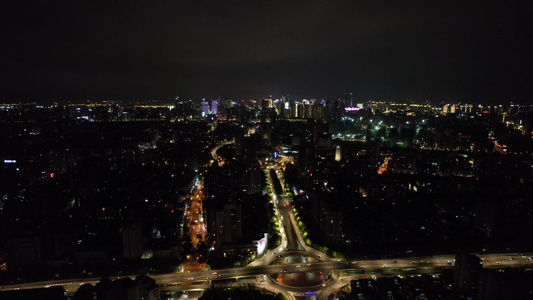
(195, 221)
(383, 167)
(194, 213)
(367, 268)
(309, 260)
(214, 154)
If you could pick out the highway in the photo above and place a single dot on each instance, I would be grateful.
(390, 266)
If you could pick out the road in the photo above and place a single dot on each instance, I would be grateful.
(390, 266)
(293, 248)
(214, 154)
(383, 167)
(195, 222)
(194, 214)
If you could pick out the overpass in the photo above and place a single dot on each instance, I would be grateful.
(365, 269)
(293, 256)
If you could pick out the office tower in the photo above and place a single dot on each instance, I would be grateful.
(228, 224)
(348, 100)
(132, 241)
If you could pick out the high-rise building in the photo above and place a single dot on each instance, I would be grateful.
(185, 109)
(283, 107)
(132, 241)
(206, 107)
(252, 180)
(228, 225)
(348, 100)
(214, 107)
(466, 271)
(449, 109)
(338, 153)
(146, 289)
(266, 103)
(27, 250)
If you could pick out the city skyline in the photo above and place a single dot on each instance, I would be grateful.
(453, 51)
(282, 195)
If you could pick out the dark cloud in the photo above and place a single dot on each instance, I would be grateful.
(456, 50)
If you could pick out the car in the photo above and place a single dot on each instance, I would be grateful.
(298, 266)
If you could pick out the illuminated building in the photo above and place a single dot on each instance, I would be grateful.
(262, 244)
(448, 109)
(214, 107)
(306, 110)
(209, 107)
(266, 103)
(184, 109)
(338, 153)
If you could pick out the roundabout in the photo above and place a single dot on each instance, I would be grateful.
(308, 281)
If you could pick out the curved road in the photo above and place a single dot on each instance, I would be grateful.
(312, 260)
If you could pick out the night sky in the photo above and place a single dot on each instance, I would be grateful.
(469, 51)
